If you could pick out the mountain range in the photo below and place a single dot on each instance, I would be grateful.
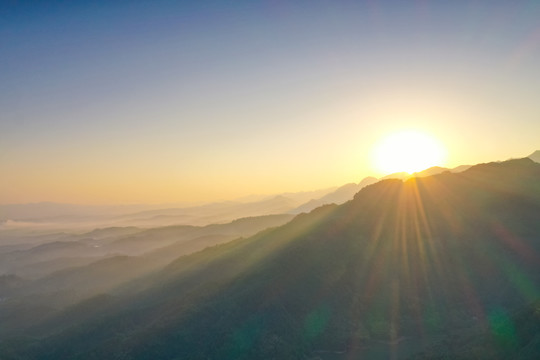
(53, 216)
(441, 266)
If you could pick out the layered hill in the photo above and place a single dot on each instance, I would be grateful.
(339, 196)
(389, 274)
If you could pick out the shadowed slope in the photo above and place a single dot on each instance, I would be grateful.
(399, 267)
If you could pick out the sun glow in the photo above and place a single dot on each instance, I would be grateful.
(408, 151)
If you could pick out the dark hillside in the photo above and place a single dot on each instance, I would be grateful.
(389, 274)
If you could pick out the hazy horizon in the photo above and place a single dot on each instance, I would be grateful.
(160, 102)
(243, 198)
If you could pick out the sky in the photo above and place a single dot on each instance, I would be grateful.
(161, 101)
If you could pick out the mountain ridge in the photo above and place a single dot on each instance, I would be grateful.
(535, 156)
(399, 266)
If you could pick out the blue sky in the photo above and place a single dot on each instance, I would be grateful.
(205, 100)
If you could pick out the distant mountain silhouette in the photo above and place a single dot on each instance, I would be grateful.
(63, 272)
(388, 274)
(460, 168)
(535, 156)
(49, 211)
(430, 171)
(339, 196)
(212, 213)
(69, 216)
(427, 172)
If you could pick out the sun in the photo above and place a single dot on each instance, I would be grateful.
(408, 151)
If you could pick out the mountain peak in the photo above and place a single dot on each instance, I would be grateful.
(535, 156)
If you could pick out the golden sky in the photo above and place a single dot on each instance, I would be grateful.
(187, 103)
